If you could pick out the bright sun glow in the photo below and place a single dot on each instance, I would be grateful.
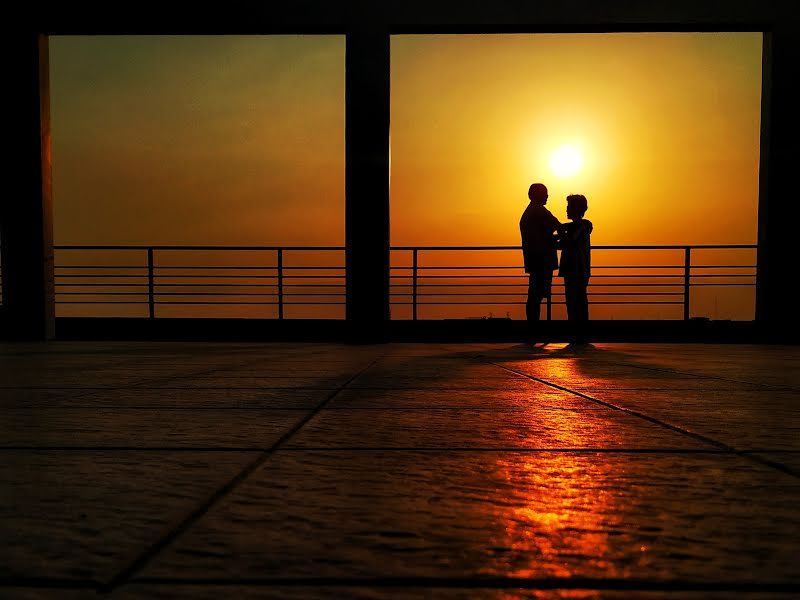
(566, 161)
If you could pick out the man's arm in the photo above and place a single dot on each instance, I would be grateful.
(554, 222)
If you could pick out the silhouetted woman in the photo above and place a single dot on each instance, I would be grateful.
(576, 263)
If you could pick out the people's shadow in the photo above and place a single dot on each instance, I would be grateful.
(530, 351)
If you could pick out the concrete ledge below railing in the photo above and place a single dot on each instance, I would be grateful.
(504, 330)
(455, 330)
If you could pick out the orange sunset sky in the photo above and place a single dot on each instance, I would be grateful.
(239, 140)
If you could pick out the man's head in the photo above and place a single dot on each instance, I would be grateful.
(576, 206)
(538, 193)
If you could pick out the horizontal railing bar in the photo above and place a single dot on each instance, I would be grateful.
(100, 267)
(226, 294)
(739, 275)
(522, 302)
(461, 294)
(424, 268)
(299, 294)
(192, 294)
(255, 303)
(103, 285)
(156, 276)
(144, 276)
(555, 283)
(519, 267)
(640, 247)
(296, 294)
(420, 268)
(99, 302)
(237, 294)
(233, 248)
(112, 276)
(681, 268)
(460, 276)
(254, 268)
(97, 293)
(405, 248)
(240, 276)
(249, 285)
(456, 268)
(216, 267)
(313, 285)
(204, 303)
(214, 285)
(644, 275)
(525, 277)
(196, 267)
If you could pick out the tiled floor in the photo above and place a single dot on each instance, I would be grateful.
(488, 471)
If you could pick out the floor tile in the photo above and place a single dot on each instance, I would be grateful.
(83, 515)
(145, 428)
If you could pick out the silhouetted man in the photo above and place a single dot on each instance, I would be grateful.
(537, 227)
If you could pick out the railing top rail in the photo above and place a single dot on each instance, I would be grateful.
(60, 247)
(273, 248)
(616, 247)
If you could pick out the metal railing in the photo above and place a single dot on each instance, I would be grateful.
(668, 282)
(165, 276)
(281, 277)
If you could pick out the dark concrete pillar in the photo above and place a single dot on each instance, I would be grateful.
(26, 226)
(779, 189)
(367, 185)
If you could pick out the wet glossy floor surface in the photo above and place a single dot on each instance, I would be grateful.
(452, 471)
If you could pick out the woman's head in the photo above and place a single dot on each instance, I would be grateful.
(576, 206)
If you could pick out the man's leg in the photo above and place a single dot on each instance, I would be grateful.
(539, 286)
(532, 307)
(534, 301)
(546, 284)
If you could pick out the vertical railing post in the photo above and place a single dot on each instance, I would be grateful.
(280, 283)
(151, 288)
(687, 266)
(414, 285)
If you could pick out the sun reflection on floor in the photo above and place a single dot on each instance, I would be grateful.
(557, 518)
(561, 515)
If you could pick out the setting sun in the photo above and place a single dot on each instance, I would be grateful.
(566, 161)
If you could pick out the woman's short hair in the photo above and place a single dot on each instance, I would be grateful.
(578, 201)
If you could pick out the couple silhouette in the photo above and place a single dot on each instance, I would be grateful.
(542, 235)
